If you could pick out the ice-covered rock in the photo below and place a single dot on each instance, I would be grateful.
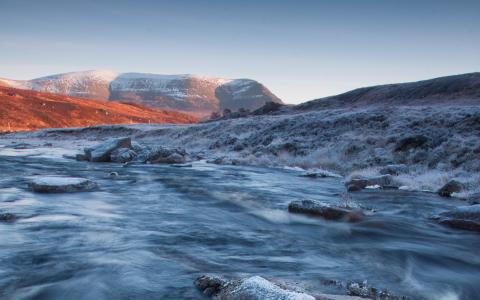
(102, 152)
(251, 288)
(259, 288)
(326, 211)
(161, 154)
(122, 155)
(449, 188)
(7, 217)
(57, 184)
(463, 217)
(384, 181)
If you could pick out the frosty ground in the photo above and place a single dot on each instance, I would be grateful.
(435, 143)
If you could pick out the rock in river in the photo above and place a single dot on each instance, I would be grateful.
(357, 184)
(57, 184)
(449, 188)
(7, 217)
(463, 217)
(257, 288)
(326, 211)
(317, 173)
(252, 288)
(162, 155)
(103, 151)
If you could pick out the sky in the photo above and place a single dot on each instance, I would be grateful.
(300, 49)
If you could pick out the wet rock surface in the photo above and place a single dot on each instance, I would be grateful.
(7, 217)
(326, 211)
(464, 217)
(319, 174)
(357, 184)
(449, 188)
(57, 184)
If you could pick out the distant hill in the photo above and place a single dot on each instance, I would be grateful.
(456, 89)
(195, 94)
(28, 110)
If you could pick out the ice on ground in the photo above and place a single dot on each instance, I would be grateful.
(41, 152)
(58, 181)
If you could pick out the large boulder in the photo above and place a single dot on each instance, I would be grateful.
(57, 184)
(162, 155)
(449, 188)
(103, 151)
(326, 211)
(463, 217)
(357, 184)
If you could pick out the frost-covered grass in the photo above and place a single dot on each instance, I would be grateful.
(437, 143)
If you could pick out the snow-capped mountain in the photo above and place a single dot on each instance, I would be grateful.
(190, 93)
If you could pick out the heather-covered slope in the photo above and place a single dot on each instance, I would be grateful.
(29, 110)
(454, 90)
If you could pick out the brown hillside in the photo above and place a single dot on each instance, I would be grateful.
(29, 110)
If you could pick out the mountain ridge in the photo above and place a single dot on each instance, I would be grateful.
(198, 94)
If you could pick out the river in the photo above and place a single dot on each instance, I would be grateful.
(150, 231)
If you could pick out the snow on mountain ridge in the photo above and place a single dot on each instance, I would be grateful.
(199, 94)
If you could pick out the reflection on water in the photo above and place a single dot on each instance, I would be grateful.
(150, 231)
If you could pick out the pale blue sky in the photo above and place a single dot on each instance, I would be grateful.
(300, 49)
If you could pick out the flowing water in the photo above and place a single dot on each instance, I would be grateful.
(149, 232)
